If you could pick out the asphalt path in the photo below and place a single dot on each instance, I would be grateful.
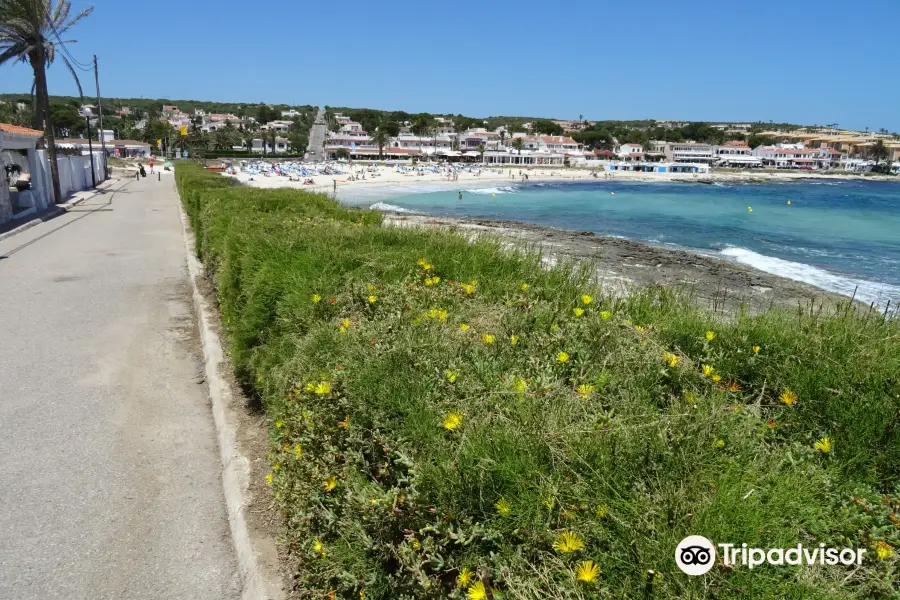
(110, 481)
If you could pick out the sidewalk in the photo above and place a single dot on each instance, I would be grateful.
(111, 476)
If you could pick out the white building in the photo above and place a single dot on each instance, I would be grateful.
(279, 126)
(787, 156)
(631, 152)
(690, 152)
(289, 114)
(736, 154)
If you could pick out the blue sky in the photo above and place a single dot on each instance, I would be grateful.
(810, 63)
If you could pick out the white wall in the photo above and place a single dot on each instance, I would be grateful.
(74, 173)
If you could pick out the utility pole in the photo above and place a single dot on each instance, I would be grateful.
(100, 109)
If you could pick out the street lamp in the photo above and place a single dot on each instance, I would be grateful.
(86, 113)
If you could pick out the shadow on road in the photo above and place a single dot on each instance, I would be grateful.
(100, 208)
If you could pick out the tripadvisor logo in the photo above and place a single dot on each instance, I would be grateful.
(696, 555)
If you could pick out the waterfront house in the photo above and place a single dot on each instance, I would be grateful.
(690, 152)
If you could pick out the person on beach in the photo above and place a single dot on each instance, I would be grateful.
(459, 197)
(151, 165)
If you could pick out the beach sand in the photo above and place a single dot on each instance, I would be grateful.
(492, 177)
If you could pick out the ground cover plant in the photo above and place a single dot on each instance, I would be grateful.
(456, 420)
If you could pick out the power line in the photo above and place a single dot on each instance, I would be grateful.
(86, 67)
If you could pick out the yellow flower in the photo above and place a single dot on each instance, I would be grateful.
(601, 511)
(640, 328)
(755, 349)
(503, 507)
(464, 578)
(329, 484)
(463, 327)
(322, 388)
(468, 288)
(437, 313)
(671, 359)
(311, 386)
(415, 544)
(372, 299)
(525, 287)
(719, 444)
(519, 385)
(716, 377)
(316, 298)
(488, 338)
(883, 550)
(451, 375)
(707, 370)
(710, 335)
(278, 424)
(587, 571)
(823, 445)
(362, 594)
(788, 397)
(605, 314)
(345, 324)
(568, 541)
(586, 299)
(562, 357)
(476, 591)
(319, 547)
(269, 479)
(452, 420)
(584, 390)
(513, 340)
(578, 311)
(433, 280)
(298, 450)
(422, 262)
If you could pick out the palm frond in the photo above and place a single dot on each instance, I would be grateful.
(74, 76)
(62, 28)
(60, 11)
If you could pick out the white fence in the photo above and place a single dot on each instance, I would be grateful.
(74, 173)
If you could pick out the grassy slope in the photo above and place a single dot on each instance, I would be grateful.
(644, 455)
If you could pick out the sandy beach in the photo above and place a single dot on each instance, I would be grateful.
(382, 175)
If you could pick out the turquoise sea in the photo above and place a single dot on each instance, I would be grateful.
(839, 235)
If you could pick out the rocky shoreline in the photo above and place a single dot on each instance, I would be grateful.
(622, 265)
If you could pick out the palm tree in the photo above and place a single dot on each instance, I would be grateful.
(502, 135)
(878, 151)
(381, 138)
(26, 27)
(480, 149)
(272, 137)
(517, 143)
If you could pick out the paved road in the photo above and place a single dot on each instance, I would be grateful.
(109, 474)
(316, 148)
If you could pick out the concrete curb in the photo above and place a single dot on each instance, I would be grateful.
(58, 210)
(257, 584)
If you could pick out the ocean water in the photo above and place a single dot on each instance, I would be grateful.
(838, 235)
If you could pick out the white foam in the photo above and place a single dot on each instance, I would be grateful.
(866, 291)
(384, 206)
(507, 189)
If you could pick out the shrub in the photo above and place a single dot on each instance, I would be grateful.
(445, 412)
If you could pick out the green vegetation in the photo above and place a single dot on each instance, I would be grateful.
(453, 420)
